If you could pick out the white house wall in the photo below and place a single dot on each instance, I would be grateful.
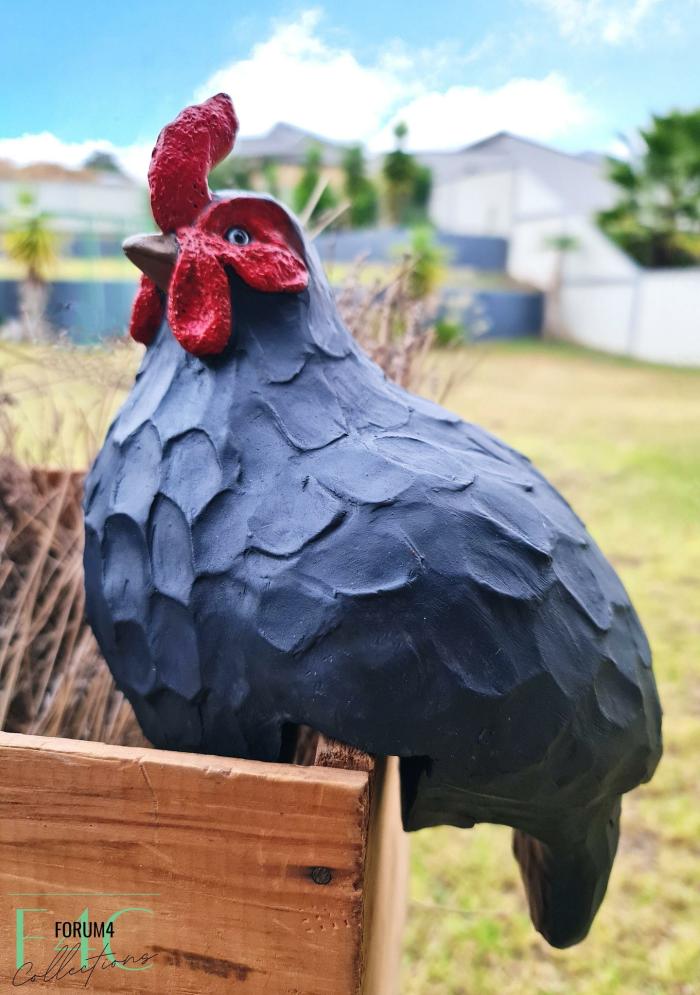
(594, 256)
(533, 199)
(529, 258)
(109, 199)
(477, 204)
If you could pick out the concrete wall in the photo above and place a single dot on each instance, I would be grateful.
(494, 314)
(607, 301)
(667, 328)
(91, 311)
(88, 311)
(386, 245)
(509, 314)
(599, 315)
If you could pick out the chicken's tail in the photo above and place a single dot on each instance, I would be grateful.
(566, 877)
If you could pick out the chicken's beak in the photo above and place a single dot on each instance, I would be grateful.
(154, 255)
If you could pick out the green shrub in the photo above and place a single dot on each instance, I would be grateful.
(427, 263)
(448, 332)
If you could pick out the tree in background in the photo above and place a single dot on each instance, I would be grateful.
(103, 162)
(407, 183)
(359, 190)
(309, 185)
(270, 178)
(30, 242)
(232, 174)
(657, 219)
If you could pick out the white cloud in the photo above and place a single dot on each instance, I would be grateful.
(536, 108)
(297, 77)
(610, 21)
(47, 147)
(328, 91)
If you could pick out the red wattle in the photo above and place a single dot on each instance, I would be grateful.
(199, 308)
(146, 312)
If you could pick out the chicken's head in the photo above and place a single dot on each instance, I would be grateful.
(203, 235)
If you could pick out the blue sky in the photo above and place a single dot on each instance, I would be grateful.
(576, 73)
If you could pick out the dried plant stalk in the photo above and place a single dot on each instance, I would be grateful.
(396, 330)
(53, 680)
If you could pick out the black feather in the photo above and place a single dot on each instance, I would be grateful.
(280, 535)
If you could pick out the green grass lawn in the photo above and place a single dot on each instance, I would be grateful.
(622, 441)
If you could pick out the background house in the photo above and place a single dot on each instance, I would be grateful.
(92, 210)
(506, 204)
(537, 198)
(284, 148)
(493, 186)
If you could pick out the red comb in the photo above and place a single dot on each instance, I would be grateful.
(186, 151)
(198, 304)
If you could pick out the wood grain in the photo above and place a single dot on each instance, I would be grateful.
(253, 872)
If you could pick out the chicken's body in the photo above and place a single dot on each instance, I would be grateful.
(280, 535)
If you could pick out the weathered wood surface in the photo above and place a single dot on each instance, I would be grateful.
(250, 876)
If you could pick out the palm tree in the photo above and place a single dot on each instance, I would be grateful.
(359, 189)
(657, 216)
(30, 242)
(407, 183)
(560, 244)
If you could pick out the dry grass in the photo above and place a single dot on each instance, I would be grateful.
(393, 328)
(53, 681)
(56, 401)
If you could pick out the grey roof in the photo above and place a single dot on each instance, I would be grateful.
(286, 143)
(578, 180)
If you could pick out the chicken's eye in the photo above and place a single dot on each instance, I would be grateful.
(237, 236)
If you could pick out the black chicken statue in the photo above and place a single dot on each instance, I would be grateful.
(276, 535)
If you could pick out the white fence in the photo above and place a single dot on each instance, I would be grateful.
(606, 300)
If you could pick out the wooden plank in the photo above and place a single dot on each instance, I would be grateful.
(386, 883)
(251, 874)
